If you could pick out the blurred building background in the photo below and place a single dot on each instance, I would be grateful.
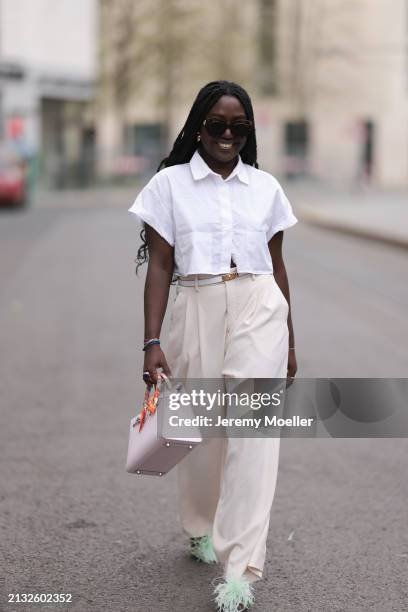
(99, 89)
(328, 78)
(48, 53)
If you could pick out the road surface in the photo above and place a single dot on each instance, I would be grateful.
(72, 520)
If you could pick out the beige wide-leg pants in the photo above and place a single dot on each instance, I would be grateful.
(235, 329)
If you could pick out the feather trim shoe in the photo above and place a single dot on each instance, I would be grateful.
(202, 549)
(234, 595)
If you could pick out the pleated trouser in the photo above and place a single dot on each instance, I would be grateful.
(236, 329)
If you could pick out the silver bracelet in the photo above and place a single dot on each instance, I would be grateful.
(291, 348)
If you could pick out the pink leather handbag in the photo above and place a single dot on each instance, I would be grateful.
(149, 452)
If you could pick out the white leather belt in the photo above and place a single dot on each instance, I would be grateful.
(211, 280)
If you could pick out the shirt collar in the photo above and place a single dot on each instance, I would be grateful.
(200, 170)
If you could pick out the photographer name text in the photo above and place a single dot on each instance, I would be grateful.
(254, 422)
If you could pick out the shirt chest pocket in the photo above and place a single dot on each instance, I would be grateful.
(195, 215)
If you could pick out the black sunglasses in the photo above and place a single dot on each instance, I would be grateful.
(239, 128)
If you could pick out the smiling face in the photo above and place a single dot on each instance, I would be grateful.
(223, 149)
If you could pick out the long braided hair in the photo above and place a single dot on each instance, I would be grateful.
(186, 142)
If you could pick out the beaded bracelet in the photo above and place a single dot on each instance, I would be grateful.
(150, 342)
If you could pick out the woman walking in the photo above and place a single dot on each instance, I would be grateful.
(214, 221)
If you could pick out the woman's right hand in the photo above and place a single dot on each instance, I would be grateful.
(154, 359)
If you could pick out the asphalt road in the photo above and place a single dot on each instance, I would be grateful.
(72, 520)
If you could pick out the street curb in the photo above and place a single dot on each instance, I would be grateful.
(344, 228)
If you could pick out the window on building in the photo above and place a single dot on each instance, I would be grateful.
(296, 148)
(267, 73)
(142, 143)
(88, 156)
(142, 138)
(367, 150)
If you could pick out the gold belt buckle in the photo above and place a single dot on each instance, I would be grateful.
(229, 276)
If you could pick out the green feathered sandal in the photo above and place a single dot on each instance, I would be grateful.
(234, 595)
(202, 549)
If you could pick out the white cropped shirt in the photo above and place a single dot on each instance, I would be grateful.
(209, 220)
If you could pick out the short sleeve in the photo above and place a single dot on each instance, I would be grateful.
(153, 206)
(281, 215)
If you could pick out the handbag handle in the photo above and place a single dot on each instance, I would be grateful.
(150, 401)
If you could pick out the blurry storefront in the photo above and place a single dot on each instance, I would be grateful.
(48, 70)
(67, 133)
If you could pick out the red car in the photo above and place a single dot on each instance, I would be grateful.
(12, 178)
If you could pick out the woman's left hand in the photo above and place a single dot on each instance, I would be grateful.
(292, 364)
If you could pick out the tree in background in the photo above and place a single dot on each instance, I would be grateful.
(156, 54)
